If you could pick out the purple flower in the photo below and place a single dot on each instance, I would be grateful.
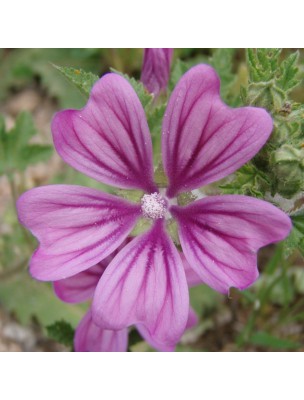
(90, 337)
(203, 140)
(156, 70)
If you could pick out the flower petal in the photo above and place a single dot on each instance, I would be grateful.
(80, 287)
(192, 321)
(144, 332)
(192, 278)
(156, 69)
(89, 337)
(145, 284)
(220, 236)
(109, 138)
(203, 139)
(76, 226)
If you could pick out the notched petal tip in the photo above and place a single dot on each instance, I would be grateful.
(145, 284)
(108, 139)
(90, 338)
(203, 139)
(220, 237)
(77, 227)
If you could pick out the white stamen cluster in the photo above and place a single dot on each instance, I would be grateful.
(153, 206)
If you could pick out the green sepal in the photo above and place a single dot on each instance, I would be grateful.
(185, 198)
(160, 176)
(142, 225)
(83, 80)
(131, 195)
(172, 229)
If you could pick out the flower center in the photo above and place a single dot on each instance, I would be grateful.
(153, 206)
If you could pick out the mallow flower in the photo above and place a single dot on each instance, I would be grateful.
(88, 336)
(203, 141)
(156, 70)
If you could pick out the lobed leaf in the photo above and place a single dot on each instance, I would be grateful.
(289, 70)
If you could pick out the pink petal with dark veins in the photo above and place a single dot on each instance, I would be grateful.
(145, 284)
(204, 140)
(109, 139)
(80, 287)
(77, 227)
(220, 236)
(90, 338)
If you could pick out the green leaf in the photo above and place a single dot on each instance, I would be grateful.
(15, 151)
(270, 79)
(21, 67)
(296, 238)
(2, 142)
(144, 96)
(22, 132)
(62, 332)
(266, 340)
(272, 75)
(33, 154)
(298, 274)
(263, 64)
(277, 288)
(252, 60)
(263, 59)
(274, 261)
(2, 128)
(27, 298)
(289, 70)
(248, 180)
(204, 300)
(155, 119)
(298, 226)
(84, 81)
(178, 69)
(134, 339)
(222, 61)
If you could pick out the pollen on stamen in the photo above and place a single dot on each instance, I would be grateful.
(153, 206)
